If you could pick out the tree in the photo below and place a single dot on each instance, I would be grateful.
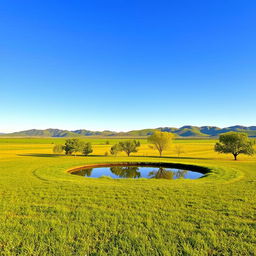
(129, 146)
(58, 148)
(73, 146)
(235, 143)
(161, 140)
(179, 150)
(114, 149)
(87, 148)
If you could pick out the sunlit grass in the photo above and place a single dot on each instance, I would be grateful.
(46, 211)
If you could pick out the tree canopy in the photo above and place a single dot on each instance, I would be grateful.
(114, 149)
(87, 148)
(235, 143)
(161, 140)
(129, 146)
(72, 146)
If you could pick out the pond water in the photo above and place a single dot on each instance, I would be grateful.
(117, 172)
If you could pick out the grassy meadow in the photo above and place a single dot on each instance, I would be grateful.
(44, 210)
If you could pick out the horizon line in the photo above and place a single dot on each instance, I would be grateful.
(120, 131)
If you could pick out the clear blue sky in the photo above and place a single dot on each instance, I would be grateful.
(124, 65)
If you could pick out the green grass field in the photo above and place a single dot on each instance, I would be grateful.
(44, 210)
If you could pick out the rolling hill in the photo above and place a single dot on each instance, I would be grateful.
(184, 131)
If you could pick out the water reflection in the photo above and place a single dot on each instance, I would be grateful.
(126, 171)
(137, 172)
(162, 173)
(84, 172)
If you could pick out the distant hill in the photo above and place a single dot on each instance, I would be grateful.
(184, 131)
(44, 133)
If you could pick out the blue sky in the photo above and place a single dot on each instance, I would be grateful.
(123, 65)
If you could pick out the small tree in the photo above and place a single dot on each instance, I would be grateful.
(73, 146)
(114, 149)
(179, 150)
(235, 143)
(161, 140)
(87, 148)
(129, 146)
(58, 148)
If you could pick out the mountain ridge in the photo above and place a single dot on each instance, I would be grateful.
(184, 131)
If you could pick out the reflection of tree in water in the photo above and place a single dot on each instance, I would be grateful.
(126, 171)
(180, 174)
(133, 172)
(162, 173)
(85, 172)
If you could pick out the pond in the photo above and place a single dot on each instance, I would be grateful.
(137, 171)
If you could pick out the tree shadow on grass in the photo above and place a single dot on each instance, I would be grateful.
(57, 155)
(158, 157)
(177, 158)
(41, 155)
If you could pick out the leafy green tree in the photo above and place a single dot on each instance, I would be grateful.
(129, 146)
(87, 148)
(114, 149)
(235, 143)
(58, 148)
(73, 146)
(161, 140)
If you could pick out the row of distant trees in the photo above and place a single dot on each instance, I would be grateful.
(73, 146)
(232, 142)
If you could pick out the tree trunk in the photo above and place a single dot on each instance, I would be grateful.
(235, 156)
(160, 152)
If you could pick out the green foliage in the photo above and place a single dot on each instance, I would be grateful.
(129, 146)
(73, 146)
(114, 149)
(161, 140)
(58, 148)
(87, 148)
(235, 143)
